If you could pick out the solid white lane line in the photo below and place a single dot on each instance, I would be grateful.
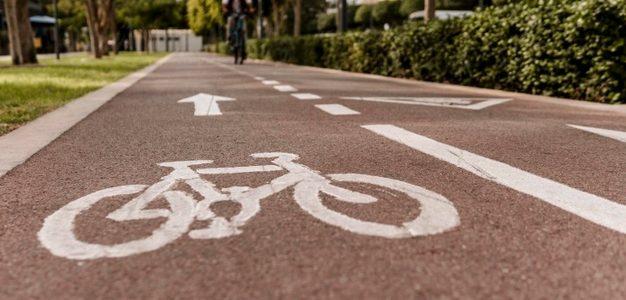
(270, 82)
(306, 96)
(285, 88)
(337, 109)
(463, 103)
(613, 134)
(259, 78)
(585, 205)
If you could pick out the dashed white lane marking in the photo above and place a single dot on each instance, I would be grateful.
(613, 134)
(270, 82)
(259, 78)
(306, 96)
(337, 109)
(285, 88)
(463, 103)
(585, 205)
(206, 104)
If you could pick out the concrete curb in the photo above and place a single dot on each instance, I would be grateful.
(22, 143)
(617, 108)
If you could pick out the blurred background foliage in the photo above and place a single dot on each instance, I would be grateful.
(565, 48)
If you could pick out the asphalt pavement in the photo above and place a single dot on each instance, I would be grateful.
(294, 182)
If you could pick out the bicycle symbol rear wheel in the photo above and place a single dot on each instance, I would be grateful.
(57, 233)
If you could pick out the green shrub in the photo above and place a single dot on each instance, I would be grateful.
(410, 6)
(326, 22)
(363, 15)
(564, 48)
(386, 12)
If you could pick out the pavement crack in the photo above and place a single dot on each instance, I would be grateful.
(481, 172)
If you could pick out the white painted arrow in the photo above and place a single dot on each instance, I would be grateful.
(206, 104)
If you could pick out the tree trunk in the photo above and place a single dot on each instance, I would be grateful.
(92, 23)
(277, 15)
(103, 8)
(113, 26)
(72, 40)
(342, 16)
(297, 17)
(20, 33)
(429, 10)
(101, 23)
(146, 40)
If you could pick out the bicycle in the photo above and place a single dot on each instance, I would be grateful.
(237, 38)
(437, 214)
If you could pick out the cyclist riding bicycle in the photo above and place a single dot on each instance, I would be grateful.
(236, 11)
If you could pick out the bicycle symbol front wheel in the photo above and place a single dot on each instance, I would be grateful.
(437, 213)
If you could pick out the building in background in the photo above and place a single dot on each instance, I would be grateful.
(171, 40)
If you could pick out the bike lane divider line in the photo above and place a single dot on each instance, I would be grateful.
(306, 96)
(337, 109)
(593, 208)
(259, 78)
(22, 143)
(613, 134)
(270, 82)
(285, 88)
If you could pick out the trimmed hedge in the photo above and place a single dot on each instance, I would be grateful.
(566, 48)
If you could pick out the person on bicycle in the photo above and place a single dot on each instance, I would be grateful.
(235, 9)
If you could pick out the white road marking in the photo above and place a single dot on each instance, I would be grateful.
(598, 210)
(613, 134)
(463, 103)
(270, 82)
(306, 96)
(337, 109)
(285, 88)
(206, 104)
(259, 78)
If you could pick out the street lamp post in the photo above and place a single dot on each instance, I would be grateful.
(57, 49)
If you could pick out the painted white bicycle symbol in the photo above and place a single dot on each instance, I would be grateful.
(57, 234)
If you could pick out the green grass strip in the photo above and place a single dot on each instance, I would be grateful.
(28, 92)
